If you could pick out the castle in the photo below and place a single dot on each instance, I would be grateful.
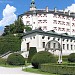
(58, 27)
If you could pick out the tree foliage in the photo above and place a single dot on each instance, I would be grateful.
(32, 52)
(9, 43)
(17, 27)
(27, 28)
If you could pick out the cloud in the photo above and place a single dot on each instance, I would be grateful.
(71, 8)
(9, 15)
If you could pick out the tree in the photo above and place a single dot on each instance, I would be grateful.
(27, 28)
(32, 52)
(6, 30)
(9, 43)
(19, 26)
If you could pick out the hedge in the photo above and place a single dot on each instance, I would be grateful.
(2, 61)
(42, 57)
(58, 69)
(71, 57)
(15, 59)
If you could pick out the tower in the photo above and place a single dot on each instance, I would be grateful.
(32, 6)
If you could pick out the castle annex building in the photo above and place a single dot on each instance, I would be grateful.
(57, 30)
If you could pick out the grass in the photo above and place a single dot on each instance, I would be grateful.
(38, 71)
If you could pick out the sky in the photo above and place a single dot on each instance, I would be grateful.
(10, 9)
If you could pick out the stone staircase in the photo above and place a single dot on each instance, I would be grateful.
(5, 55)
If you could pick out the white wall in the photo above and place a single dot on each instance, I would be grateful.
(37, 42)
(34, 22)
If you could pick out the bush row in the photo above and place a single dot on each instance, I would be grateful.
(58, 69)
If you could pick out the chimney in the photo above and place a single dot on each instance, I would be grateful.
(68, 12)
(47, 9)
(64, 11)
(55, 9)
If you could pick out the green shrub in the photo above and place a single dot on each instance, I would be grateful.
(42, 57)
(65, 58)
(2, 61)
(58, 69)
(71, 57)
(32, 52)
(15, 59)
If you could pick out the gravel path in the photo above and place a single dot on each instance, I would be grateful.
(13, 71)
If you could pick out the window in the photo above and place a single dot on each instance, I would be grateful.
(28, 22)
(34, 37)
(43, 37)
(25, 39)
(71, 40)
(73, 30)
(54, 38)
(59, 22)
(54, 45)
(49, 45)
(74, 46)
(67, 40)
(68, 30)
(67, 46)
(55, 21)
(43, 44)
(44, 27)
(27, 46)
(63, 39)
(44, 21)
(63, 46)
(54, 28)
(71, 47)
(48, 38)
(67, 23)
(58, 39)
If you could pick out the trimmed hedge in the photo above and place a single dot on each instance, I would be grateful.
(58, 69)
(32, 52)
(65, 58)
(71, 57)
(15, 59)
(42, 57)
(2, 61)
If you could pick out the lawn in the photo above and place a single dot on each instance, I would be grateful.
(38, 71)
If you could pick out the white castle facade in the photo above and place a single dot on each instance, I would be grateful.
(58, 21)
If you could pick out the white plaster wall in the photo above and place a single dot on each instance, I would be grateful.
(49, 24)
(37, 42)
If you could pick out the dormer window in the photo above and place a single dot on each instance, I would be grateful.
(43, 37)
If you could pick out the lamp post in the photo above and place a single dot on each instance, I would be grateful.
(60, 54)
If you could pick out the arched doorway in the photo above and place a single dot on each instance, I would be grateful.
(54, 45)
